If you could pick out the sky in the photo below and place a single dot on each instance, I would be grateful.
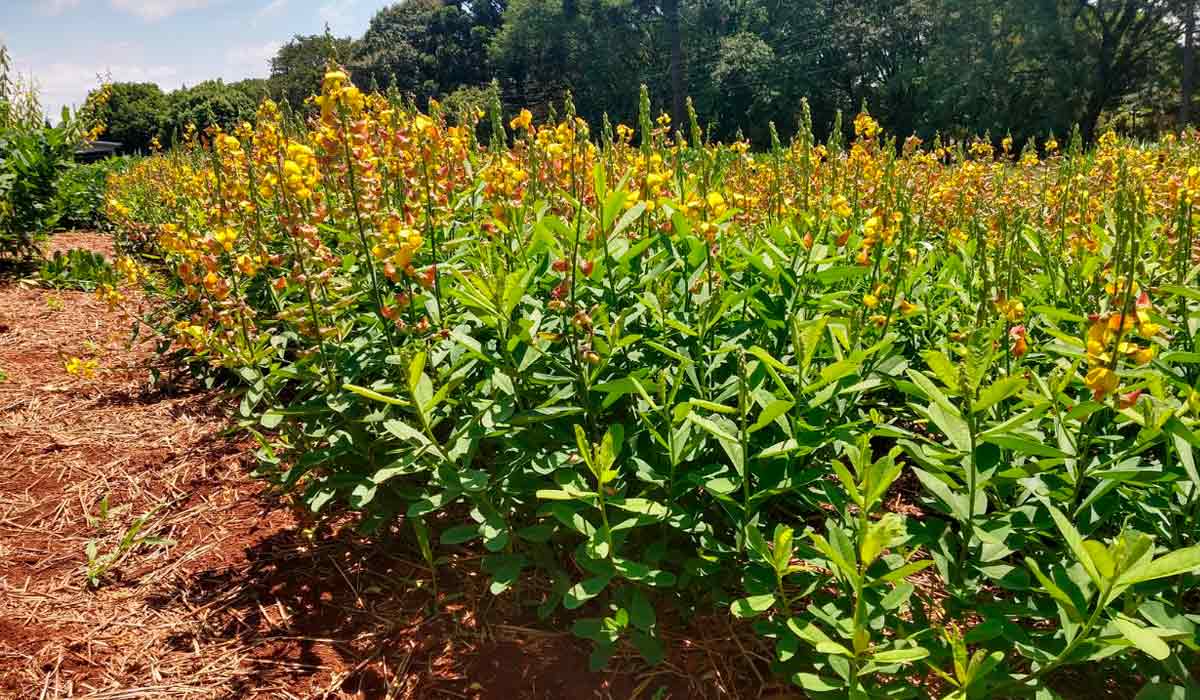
(67, 45)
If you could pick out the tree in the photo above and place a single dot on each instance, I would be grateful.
(255, 89)
(299, 65)
(134, 115)
(1189, 62)
(427, 47)
(599, 50)
(1119, 44)
(212, 102)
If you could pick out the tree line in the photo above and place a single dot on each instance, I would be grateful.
(1021, 68)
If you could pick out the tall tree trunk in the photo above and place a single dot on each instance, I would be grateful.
(678, 89)
(1189, 63)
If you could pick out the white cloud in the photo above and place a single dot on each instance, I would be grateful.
(336, 13)
(56, 7)
(273, 8)
(251, 59)
(67, 83)
(153, 10)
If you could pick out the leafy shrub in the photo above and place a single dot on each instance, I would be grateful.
(77, 269)
(31, 163)
(81, 191)
(927, 416)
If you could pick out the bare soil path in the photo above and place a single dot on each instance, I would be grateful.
(244, 602)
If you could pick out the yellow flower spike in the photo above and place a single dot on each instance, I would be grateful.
(865, 126)
(870, 301)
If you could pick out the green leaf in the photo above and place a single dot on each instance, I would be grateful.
(649, 646)
(515, 284)
(848, 482)
(271, 419)
(783, 548)
(1101, 558)
(816, 684)
(996, 392)
(766, 357)
(459, 534)
(632, 214)
(1021, 445)
(1165, 691)
(904, 571)
(834, 649)
(810, 338)
(945, 370)
(374, 395)
(584, 591)
(835, 556)
(952, 426)
(901, 656)
(1075, 542)
(1142, 638)
(879, 534)
(714, 407)
(641, 506)
(881, 475)
(406, 432)
(752, 606)
(544, 414)
(955, 502)
(416, 369)
(933, 393)
(770, 412)
(711, 428)
(1181, 561)
(1058, 594)
(641, 612)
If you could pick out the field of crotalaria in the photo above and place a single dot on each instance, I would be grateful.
(922, 414)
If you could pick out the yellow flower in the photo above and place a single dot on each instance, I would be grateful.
(1102, 381)
(422, 124)
(81, 368)
(522, 121)
(716, 203)
(840, 206)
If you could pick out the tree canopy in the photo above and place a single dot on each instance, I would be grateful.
(1019, 67)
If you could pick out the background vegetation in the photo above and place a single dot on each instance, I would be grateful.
(924, 66)
(34, 157)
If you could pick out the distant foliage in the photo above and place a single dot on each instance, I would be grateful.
(33, 158)
(81, 191)
(77, 269)
(135, 115)
(31, 163)
(954, 67)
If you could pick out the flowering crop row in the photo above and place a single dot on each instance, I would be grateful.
(923, 411)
